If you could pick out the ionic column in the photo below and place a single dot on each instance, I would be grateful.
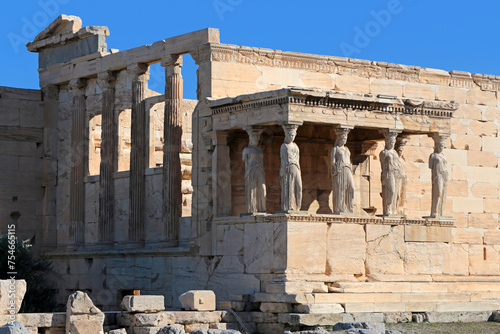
(221, 175)
(172, 196)
(139, 75)
(49, 179)
(78, 146)
(109, 136)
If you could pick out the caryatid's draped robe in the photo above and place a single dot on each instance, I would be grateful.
(255, 181)
(391, 180)
(437, 163)
(342, 181)
(291, 180)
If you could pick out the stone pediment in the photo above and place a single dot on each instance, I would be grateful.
(63, 30)
(61, 25)
(332, 107)
(65, 39)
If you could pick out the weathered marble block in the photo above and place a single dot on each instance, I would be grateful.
(146, 304)
(11, 295)
(198, 300)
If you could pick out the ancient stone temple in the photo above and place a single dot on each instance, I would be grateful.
(300, 184)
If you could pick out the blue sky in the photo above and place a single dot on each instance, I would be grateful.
(458, 35)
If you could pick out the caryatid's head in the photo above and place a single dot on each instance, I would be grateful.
(341, 139)
(290, 132)
(439, 142)
(390, 139)
(254, 136)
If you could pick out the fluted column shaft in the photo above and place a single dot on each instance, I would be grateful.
(221, 174)
(172, 196)
(78, 147)
(109, 141)
(139, 76)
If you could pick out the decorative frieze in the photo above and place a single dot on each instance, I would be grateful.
(461, 79)
(487, 82)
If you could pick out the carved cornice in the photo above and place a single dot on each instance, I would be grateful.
(461, 79)
(250, 105)
(334, 65)
(339, 100)
(487, 82)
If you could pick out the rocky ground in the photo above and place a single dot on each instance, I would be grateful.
(447, 328)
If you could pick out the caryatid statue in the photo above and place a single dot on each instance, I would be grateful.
(255, 181)
(290, 178)
(342, 181)
(437, 163)
(403, 180)
(391, 174)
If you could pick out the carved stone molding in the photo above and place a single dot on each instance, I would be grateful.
(332, 65)
(353, 220)
(335, 100)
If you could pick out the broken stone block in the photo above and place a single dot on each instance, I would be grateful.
(372, 327)
(198, 300)
(147, 304)
(495, 316)
(318, 330)
(13, 328)
(7, 289)
(319, 308)
(118, 331)
(82, 317)
(215, 331)
(172, 329)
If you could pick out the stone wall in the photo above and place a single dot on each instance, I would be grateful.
(472, 246)
(21, 152)
(237, 256)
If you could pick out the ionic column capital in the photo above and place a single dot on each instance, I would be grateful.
(51, 92)
(343, 129)
(253, 130)
(291, 124)
(219, 137)
(138, 71)
(77, 86)
(390, 132)
(172, 61)
(106, 80)
(439, 135)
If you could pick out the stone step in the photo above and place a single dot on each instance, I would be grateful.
(318, 308)
(390, 297)
(422, 306)
(375, 297)
(390, 287)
